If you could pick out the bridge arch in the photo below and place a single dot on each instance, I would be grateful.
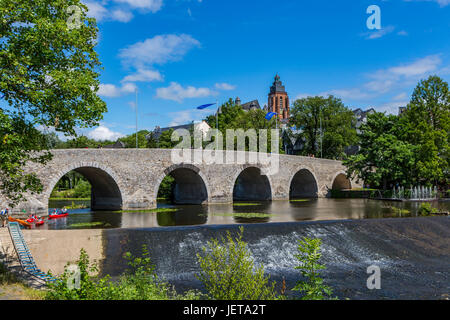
(250, 184)
(191, 185)
(303, 184)
(341, 182)
(106, 191)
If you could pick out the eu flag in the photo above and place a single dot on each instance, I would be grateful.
(270, 115)
(205, 106)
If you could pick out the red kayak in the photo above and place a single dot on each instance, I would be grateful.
(56, 216)
(36, 222)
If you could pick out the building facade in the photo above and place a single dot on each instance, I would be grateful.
(279, 100)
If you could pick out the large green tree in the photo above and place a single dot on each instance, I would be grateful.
(427, 118)
(327, 126)
(48, 78)
(384, 159)
(410, 149)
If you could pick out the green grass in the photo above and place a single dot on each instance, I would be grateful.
(89, 225)
(248, 215)
(245, 204)
(12, 286)
(299, 200)
(400, 211)
(161, 210)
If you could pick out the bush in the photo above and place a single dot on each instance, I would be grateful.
(228, 272)
(426, 209)
(139, 282)
(82, 190)
(309, 255)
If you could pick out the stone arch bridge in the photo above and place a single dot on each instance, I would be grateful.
(130, 178)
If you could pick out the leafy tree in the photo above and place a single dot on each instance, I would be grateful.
(383, 159)
(48, 78)
(410, 149)
(228, 271)
(337, 122)
(308, 257)
(427, 118)
(234, 117)
(130, 140)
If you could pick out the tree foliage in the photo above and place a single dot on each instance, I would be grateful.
(337, 122)
(48, 78)
(228, 272)
(130, 140)
(232, 116)
(313, 288)
(410, 149)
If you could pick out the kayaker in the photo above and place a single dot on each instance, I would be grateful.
(4, 216)
(64, 210)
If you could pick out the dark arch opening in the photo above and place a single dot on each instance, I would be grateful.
(251, 185)
(303, 185)
(341, 182)
(93, 183)
(183, 186)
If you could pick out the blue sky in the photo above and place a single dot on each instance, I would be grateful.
(184, 53)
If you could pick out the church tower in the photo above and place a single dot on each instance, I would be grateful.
(279, 100)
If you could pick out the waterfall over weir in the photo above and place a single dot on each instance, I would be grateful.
(413, 254)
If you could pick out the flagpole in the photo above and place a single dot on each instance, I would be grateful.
(217, 125)
(137, 146)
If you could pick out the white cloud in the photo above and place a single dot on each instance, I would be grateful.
(383, 81)
(104, 133)
(177, 93)
(121, 15)
(187, 116)
(400, 97)
(158, 50)
(391, 107)
(144, 75)
(379, 33)
(417, 68)
(225, 86)
(96, 10)
(102, 11)
(354, 93)
(152, 5)
(442, 3)
(394, 79)
(112, 91)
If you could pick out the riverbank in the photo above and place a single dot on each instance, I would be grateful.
(413, 253)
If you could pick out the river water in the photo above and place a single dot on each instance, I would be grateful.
(412, 252)
(239, 213)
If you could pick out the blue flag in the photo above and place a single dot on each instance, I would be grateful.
(205, 106)
(270, 115)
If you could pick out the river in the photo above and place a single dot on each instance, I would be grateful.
(239, 213)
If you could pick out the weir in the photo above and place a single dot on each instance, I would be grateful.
(412, 266)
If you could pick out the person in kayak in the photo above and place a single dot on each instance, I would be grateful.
(64, 210)
(4, 216)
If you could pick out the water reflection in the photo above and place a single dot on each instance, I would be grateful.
(253, 212)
